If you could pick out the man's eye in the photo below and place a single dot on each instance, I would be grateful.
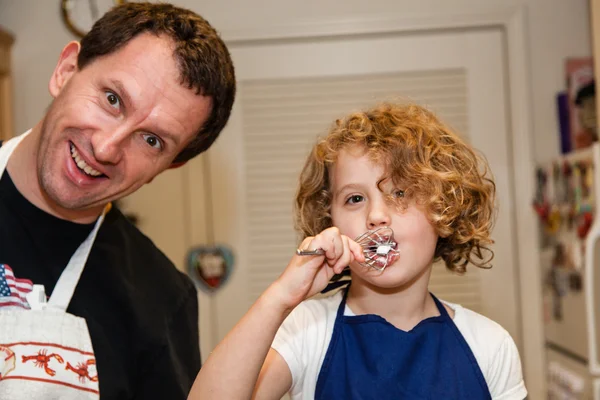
(354, 199)
(113, 99)
(152, 141)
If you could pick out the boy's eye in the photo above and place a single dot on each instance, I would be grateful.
(113, 100)
(398, 194)
(354, 199)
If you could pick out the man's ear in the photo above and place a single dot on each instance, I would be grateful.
(172, 166)
(65, 68)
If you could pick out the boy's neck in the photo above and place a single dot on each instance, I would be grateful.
(403, 307)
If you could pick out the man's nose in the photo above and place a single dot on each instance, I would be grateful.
(108, 146)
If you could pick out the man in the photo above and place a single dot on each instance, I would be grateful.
(149, 87)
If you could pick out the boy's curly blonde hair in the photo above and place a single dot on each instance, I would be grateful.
(433, 165)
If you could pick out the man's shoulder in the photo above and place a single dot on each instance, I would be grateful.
(124, 235)
(145, 262)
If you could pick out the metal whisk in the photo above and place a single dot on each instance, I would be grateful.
(378, 246)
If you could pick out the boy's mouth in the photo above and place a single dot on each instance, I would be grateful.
(380, 255)
(379, 248)
(82, 165)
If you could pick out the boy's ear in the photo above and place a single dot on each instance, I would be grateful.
(65, 68)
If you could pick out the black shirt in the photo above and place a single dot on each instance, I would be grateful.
(142, 313)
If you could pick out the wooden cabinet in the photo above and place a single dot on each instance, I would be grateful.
(6, 117)
(595, 27)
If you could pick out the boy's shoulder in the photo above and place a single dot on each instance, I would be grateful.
(488, 340)
(495, 351)
(321, 306)
(327, 300)
(478, 329)
(313, 317)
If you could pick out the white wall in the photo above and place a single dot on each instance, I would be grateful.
(557, 29)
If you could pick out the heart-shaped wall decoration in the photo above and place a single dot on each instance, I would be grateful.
(210, 267)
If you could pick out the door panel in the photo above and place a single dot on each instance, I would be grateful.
(291, 92)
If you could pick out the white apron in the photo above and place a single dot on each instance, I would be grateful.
(46, 353)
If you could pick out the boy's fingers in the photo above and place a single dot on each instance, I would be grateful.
(345, 258)
(357, 250)
(335, 249)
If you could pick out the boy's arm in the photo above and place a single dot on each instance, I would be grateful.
(233, 370)
(505, 375)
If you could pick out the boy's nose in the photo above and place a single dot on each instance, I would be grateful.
(379, 215)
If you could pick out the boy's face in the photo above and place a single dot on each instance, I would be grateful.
(358, 205)
(116, 124)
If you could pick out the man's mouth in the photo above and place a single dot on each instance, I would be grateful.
(82, 165)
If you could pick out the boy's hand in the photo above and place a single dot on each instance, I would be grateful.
(306, 276)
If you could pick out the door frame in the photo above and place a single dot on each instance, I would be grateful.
(513, 23)
(6, 99)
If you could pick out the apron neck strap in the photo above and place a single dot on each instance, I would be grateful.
(440, 306)
(342, 307)
(65, 287)
(7, 149)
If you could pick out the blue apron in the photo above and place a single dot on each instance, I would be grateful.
(369, 358)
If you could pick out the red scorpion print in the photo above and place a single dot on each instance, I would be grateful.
(82, 370)
(41, 359)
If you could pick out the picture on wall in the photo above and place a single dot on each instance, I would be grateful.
(582, 101)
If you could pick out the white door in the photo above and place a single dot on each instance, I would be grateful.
(291, 91)
(241, 192)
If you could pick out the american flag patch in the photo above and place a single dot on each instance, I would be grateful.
(13, 290)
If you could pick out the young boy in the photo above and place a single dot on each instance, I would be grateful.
(398, 171)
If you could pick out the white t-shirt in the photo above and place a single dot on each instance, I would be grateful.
(304, 337)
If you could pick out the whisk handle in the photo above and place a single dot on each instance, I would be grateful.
(315, 252)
